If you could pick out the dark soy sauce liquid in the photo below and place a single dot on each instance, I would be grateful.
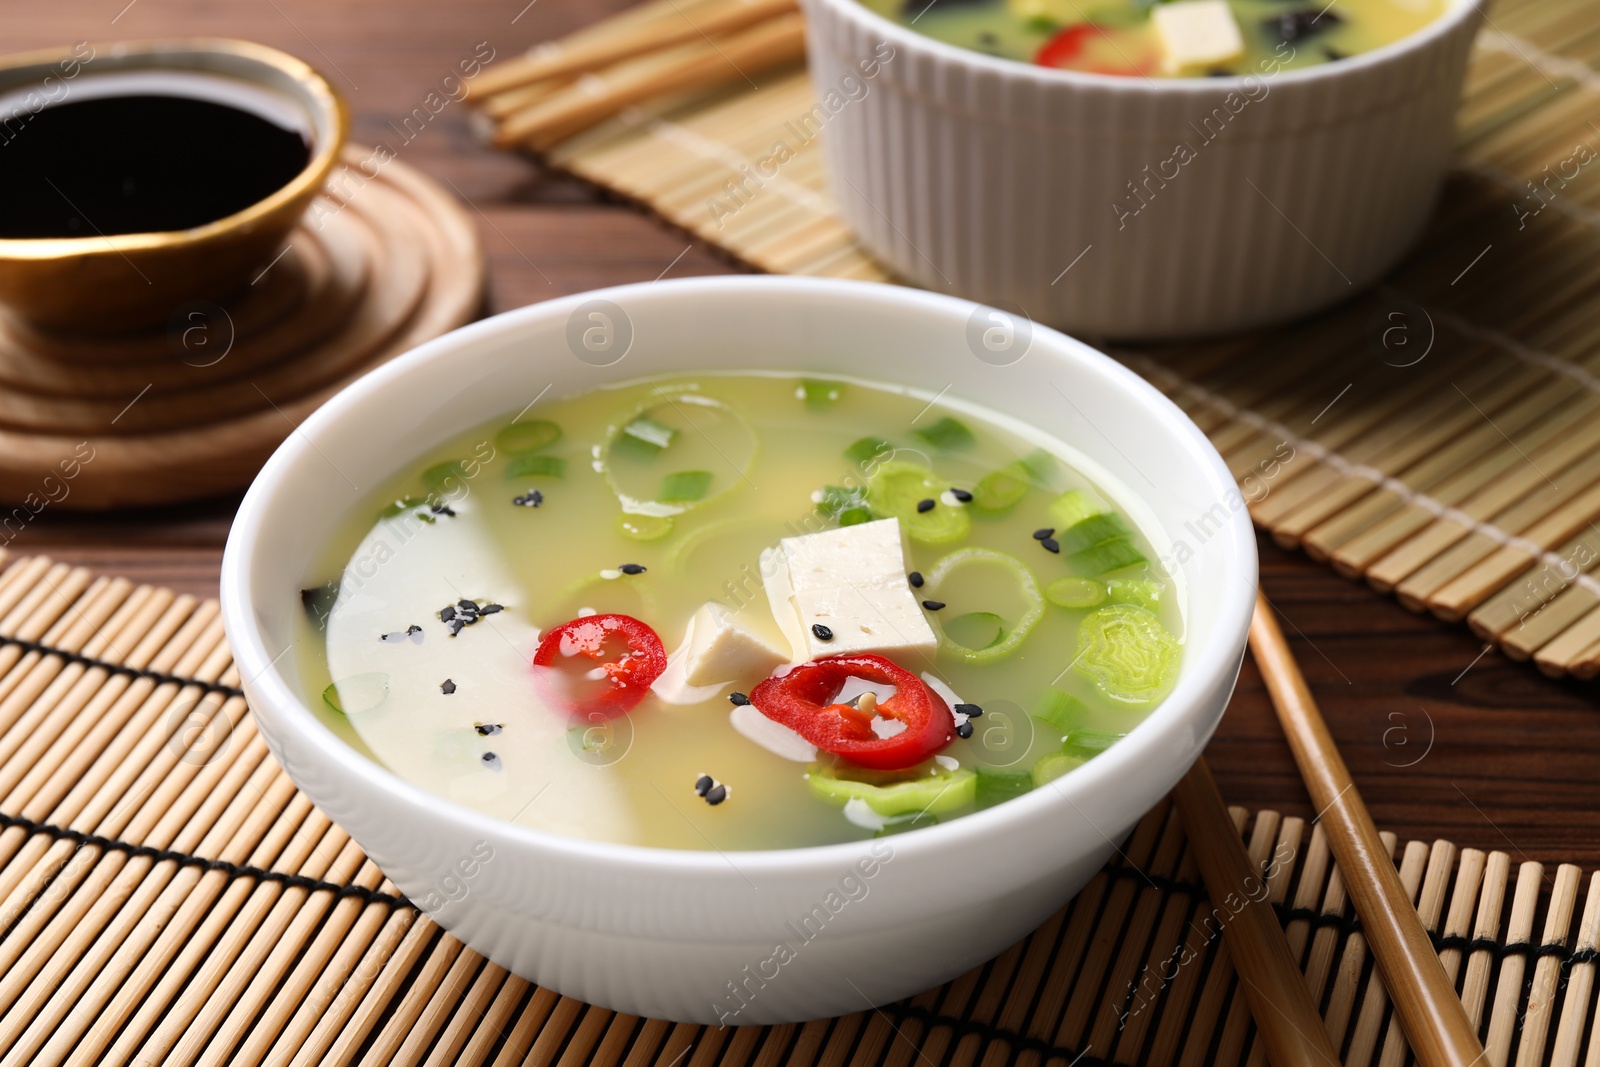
(137, 164)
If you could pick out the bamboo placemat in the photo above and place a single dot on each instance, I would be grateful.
(1442, 430)
(168, 896)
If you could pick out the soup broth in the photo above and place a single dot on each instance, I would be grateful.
(1125, 37)
(448, 638)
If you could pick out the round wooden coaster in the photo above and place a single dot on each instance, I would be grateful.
(398, 272)
(111, 469)
(210, 344)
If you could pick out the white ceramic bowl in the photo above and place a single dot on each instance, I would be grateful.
(989, 178)
(671, 933)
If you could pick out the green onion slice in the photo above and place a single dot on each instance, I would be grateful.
(947, 434)
(819, 394)
(1063, 711)
(529, 436)
(1007, 641)
(536, 467)
(1127, 653)
(1051, 767)
(995, 787)
(937, 794)
(867, 449)
(1075, 593)
(897, 487)
(682, 487)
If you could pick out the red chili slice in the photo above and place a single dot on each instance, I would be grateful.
(803, 700)
(598, 666)
(1066, 50)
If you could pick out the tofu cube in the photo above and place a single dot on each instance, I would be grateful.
(1196, 34)
(853, 582)
(722, 649)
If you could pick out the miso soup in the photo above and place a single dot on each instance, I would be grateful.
(740, 611)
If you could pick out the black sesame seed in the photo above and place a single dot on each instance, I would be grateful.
(456, 626)
(488, 729)
(466, 605)
(964, 731)
(413, 629)
(490, 609)
(1051, 544)
(443, 509)
(447, 613)
(490, 758)
(631, 568)
(821, 632)
(447, 687)
(703, 784)
(916, 579)
(933, 605)
(1044, 534)
(716, 795)
(925, 505)
(971, 711)
(738, 699)
(962, 495)
(529, 500)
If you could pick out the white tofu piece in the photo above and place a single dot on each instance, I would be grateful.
(722, 649)
(1196, 33)
(853, 581)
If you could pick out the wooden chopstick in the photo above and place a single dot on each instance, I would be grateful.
(1285, 1015)
(1424, 997)
(566, 58)
(696, 65)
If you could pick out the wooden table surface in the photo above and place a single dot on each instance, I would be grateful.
(1445, 739)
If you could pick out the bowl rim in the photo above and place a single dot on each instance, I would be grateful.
(1455, 14)
(324, 103)
(1216, 671)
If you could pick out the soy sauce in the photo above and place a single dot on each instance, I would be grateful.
(137, 164)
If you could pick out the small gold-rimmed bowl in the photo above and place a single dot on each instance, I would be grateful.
(125, 282)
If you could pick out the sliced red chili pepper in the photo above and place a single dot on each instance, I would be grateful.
(1070, 49)
(599, 666)
(804, 701)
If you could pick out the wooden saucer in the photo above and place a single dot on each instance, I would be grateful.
(394, 264)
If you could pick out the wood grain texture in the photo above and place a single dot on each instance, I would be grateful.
(1511, 764)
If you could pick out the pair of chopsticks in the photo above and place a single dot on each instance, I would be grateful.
(563, 87)
(1424, 998)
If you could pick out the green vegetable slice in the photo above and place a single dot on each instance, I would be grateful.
(1049, 768)
(1075, 593)
(648, 433)
(947, 434)
(529, 436)
(1103, 559)
(1128, 654)
(1061, 710)
(1096, 529)
(683, 486)
(995, 787)
(1072, 507)
(897, 487)
(977, 630)
(845, 504)
(819, 394)
(938, 794)
(1141, 591)
(1040, 465)
(357, 693)
(644, 527)
(867, 449)
(1087, 744)
(536, 467)
(1007, 642)
(440, 474)
(999, 490)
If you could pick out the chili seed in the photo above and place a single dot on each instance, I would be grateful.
(916, 579)
(821, 632)
(631, 568)
(716, 795)
(447, 687)
(703, 784)
(1051, 544)
(924, 506)
(1047, 532)
(964, 731)
(933, 605)
(738, 700)
(962, 495)
(971, 711)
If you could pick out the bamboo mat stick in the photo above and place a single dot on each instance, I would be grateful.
(1425, 999)
(1580, 985)
(1547, 971)
(1285, 1015)
(562, 60)
(1458, 923)
(1508, 991)
(1475, 986)
(337, 1041)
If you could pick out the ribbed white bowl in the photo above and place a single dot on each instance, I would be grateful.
(988, 178)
